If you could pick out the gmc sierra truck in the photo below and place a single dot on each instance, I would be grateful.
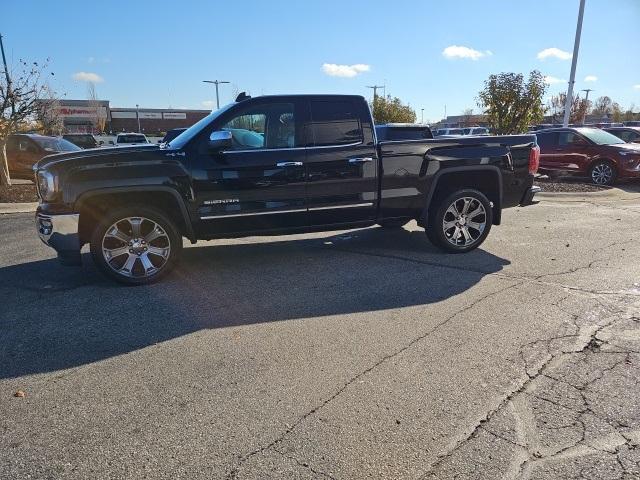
(274, 165)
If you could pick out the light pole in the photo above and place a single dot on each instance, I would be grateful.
(138, 116)
(422, 115)
(216, 82)
(574, 61)
(586, 100)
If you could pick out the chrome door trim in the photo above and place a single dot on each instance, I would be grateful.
(332, 207)
(249, 214)
(296, 210)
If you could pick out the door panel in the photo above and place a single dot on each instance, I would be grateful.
(258, 181)
(246, 191)
(342, 183)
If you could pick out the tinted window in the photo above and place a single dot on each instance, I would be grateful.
(56, 144)
(335, 123)
(407, 133)
(131, 139)
(12, 144)
(570, 138)
(263, 126)
(546, 140)
(626, 135)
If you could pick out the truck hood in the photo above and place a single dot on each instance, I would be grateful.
(94, 155)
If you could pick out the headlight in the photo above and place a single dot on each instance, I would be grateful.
(46, 184)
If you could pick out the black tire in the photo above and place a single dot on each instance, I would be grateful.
(603, 172)
(443, 238)
(150, 221)
(394, 224)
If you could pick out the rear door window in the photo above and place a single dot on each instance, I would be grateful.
(547, 140)
(334, 123)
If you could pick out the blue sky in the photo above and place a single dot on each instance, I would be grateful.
(157, 53)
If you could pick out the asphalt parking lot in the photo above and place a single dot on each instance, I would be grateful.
(359, 354)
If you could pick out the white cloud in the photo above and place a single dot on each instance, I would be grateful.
(209, 103)
(87, 77)
(553, 80)
(554, 52)
(457, 51)
(347, 71)
(637, 86)
(590, 78)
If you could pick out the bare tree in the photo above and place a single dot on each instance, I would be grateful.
(48, 120)
(467, 117)
(98, 119)
(579, 108)
(20, 93)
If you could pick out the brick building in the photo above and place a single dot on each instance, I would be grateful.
(85, 116)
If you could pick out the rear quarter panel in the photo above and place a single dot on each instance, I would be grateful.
(411, 169)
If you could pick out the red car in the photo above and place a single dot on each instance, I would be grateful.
(25, 149)
(588, 151)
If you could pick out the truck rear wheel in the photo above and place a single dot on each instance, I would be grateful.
(136, 245)
(461, 221)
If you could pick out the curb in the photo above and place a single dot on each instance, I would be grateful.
(6, 208)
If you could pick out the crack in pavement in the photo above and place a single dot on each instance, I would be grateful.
(529, 454)
(235, 470)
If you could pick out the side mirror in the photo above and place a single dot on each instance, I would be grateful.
(220, 140)
(100, 142)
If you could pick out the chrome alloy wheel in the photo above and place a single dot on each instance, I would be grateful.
(136, 247)
(464, 221)
(602, 174)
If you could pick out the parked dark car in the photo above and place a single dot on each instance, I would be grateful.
(402, 131)
(588, 151)
(171, 134)
(632, 123)
(275, 165)
(25, 149)
(82, 140)
(628, 134)
(131, 139)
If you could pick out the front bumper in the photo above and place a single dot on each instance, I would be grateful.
(527, 198)
(60, 232)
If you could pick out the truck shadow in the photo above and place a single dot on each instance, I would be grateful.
(56, 318)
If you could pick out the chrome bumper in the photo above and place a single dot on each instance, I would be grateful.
(60, 232)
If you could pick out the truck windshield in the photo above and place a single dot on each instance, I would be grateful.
(600, 137)
(181, 140)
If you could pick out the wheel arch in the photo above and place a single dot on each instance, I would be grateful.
(488, 180)
(93, 204)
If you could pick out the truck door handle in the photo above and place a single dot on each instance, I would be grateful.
(354, 161)
(289, 164)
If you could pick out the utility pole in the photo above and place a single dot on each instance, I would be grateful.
(4, 61)
(422, 115)
(138, 116)
(216, 82)
(586, 99)
(574, 61)
(375, 91)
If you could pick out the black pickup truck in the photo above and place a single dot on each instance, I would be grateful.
(274, 165)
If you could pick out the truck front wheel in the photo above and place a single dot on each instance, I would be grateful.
(135, 245)
(461, 221)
